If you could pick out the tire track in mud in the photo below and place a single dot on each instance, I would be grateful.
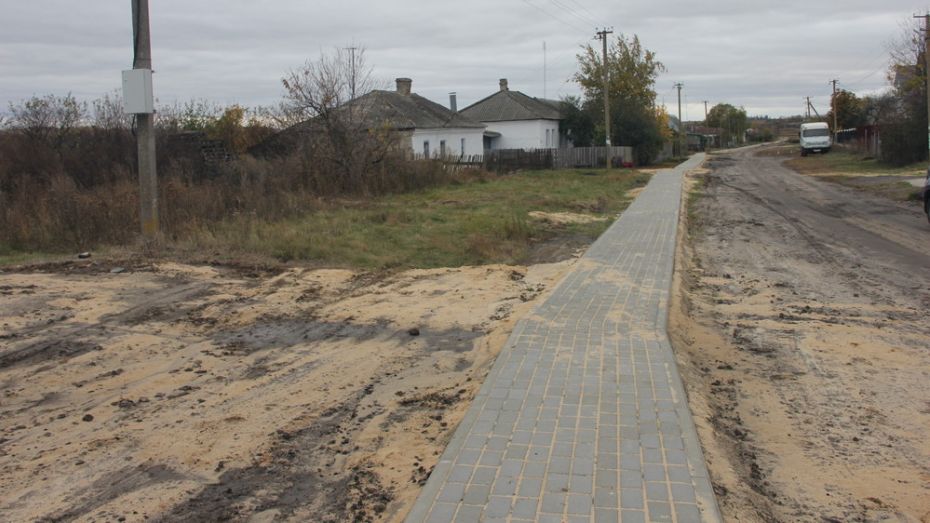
(63, 343)
(807, 368)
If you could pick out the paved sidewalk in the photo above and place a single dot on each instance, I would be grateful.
(583, 416)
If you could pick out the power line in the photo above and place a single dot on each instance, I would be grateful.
(557, 19)
(572, 12)
(585, 9)
(858, 82)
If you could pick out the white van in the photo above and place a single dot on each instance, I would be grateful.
(815, 138)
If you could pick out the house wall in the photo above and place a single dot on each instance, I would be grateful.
(453, 138)
(525, 134)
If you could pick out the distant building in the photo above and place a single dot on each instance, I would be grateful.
(432, 130)
(517, 121)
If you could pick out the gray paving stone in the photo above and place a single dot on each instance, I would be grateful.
(604, 515)
(687, 513)
(525, 508)
(582, 415)
(659, 511)
(497, 507)
(442, 513)
(579, 504)
(476, 494)
(530, 487)
(631, 498)
(468, 514)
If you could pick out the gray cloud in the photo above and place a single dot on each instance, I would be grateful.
(766, 56)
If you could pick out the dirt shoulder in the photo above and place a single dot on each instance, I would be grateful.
(178, 393)
(799, 321)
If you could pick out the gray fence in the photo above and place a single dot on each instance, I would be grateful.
(508, 160)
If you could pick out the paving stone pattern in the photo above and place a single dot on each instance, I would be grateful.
(583, 417)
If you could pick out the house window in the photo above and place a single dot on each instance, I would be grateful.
(442, 148)
(463, 146)
(426, 148)
(548, 139)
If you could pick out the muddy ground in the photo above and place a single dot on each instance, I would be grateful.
(171, 392)
(801, 324)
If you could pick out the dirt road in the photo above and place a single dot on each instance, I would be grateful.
(802, 328)
(177, 393)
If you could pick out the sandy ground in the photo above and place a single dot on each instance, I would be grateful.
(800, 322)
(184, 393)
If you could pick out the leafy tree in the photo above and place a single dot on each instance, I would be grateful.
(632, 71)
(850, 110)
(577, 123)
(731, 121)
(637, 125)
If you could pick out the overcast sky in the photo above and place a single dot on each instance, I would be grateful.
(763, 55)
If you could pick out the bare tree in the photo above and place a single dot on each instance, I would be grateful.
(341, 132)
(907, 50)
(108, 113)
(321, 86)
(49, 120)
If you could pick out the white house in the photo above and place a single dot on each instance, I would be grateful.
(516, 121)
(434, 130)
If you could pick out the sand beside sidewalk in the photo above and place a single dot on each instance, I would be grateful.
(179, 392)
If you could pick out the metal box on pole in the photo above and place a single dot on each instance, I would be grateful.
(137, 91)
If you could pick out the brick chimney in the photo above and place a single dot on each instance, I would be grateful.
(504, 85)
(403, 86)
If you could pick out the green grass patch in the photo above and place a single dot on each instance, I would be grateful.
(840, 162)
(695, 194)
(479, 222)
(862, 173)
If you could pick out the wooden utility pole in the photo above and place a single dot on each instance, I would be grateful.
(602, 35)
(808, 107)
(835, 128)
(145, 125)
(681, 124)
(705, 111)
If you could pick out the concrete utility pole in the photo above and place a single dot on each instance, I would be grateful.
(602, 35)
(145, 125)
(835, 128)
(545, 94)
(681, 124)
